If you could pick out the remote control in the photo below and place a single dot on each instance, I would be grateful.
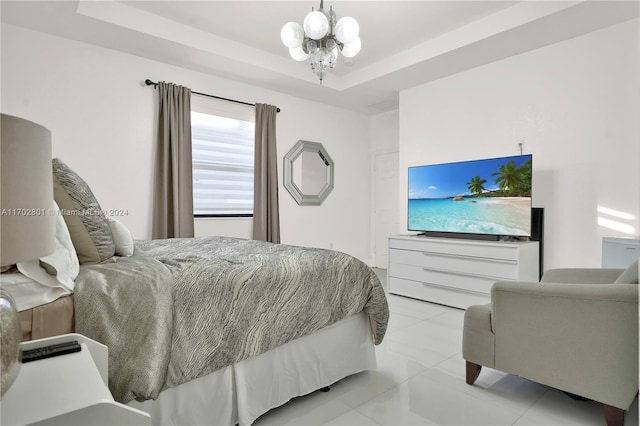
(50, 351)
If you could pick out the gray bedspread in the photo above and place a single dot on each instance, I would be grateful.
(128, 306)
(193, 306)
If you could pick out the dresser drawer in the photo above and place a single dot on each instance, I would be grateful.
(466, 248)
(442, 278)
(443, 295)
(494, 268)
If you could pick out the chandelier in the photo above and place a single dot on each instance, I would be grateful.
(320, 38)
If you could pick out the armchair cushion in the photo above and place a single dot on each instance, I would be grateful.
(629, 276)
(581, 275)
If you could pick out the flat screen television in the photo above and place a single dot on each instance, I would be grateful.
(485, 199)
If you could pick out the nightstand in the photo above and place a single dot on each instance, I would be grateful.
(69, 389)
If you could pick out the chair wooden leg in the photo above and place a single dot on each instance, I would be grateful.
(473, 371)
(613, 416)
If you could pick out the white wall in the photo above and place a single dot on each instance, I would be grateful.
(103, 119)
(385, 133)
(576, 106)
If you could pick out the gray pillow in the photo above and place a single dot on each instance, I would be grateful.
(629, 276)
(89, 229)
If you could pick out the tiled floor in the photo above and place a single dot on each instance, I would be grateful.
(420, 381)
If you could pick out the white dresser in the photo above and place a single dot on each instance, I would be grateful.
(457, 272)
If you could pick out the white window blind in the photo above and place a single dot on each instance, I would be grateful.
(223, 158)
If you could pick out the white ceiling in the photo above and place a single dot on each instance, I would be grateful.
(405, 43)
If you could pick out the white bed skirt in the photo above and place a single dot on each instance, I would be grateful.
(240, 393)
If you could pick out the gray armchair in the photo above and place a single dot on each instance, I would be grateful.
(576, 331)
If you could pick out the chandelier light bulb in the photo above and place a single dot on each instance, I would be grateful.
(347, 30)
(298, 54)
(350, 50)
(316, 25)
(292, 35)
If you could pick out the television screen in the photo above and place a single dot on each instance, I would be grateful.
(481, 197)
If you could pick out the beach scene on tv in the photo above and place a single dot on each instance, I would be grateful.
(491, 196)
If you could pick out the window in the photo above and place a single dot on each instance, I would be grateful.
(223, 161)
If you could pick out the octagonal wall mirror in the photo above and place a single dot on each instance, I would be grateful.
(308, 173)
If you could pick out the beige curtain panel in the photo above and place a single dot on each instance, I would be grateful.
(266, 216)
(173, 185)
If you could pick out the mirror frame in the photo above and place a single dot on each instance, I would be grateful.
(295, 191)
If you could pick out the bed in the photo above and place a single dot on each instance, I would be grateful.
(285, 321)
(215, 330)
(245, 326)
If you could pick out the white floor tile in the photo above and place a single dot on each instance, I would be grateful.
(352, 418)
(414, 308)
(317, 408)
(556, 408)
(423, 401)
(496, 388)
(392, 370)
(430, 341)
(399, 321)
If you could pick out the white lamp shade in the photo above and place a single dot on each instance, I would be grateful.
(347, 30)
(316, 25)
(298, 54)
(292, 35)
(26, 198)
(350, 50)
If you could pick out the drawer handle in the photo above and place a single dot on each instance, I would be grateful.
(462, 257)
(467, 275)
(461, 290)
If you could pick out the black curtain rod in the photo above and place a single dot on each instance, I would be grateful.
(154, 84)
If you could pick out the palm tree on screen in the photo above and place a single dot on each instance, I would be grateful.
(508, 177)
(475, 185)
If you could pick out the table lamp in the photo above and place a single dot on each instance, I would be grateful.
(27, 223)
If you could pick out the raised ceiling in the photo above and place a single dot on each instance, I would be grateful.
(405, 43)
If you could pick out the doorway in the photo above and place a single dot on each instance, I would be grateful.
(386, 211)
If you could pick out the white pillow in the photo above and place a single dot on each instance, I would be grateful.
(64, 260)
(122, 237)
(29, 293)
